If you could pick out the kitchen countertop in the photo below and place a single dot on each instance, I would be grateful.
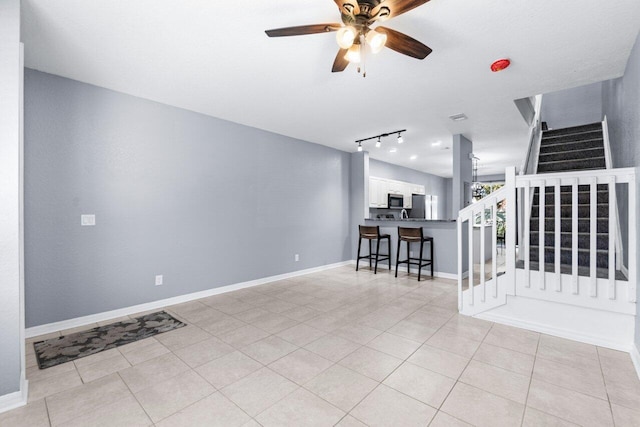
(410, 220)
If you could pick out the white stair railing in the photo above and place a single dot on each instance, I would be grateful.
(474, 222)
(576, 285)
(581, 286)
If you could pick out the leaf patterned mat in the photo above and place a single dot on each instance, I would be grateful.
(63, 349)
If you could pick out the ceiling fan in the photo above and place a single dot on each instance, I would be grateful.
(355, 31)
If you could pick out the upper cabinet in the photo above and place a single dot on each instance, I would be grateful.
(379, 189)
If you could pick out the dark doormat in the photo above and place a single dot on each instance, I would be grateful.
(63, 349)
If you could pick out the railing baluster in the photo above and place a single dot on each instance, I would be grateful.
(460, 292)
(612, 237)
(482, 264)
(574, 237)
(593, 222)
(494, 247)
(557, 234)
(541, 230)
(527, 233)
(472, 299)
(632, 232)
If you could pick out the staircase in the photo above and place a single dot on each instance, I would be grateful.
(577, 148)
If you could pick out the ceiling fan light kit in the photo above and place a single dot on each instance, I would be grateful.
(355, 32)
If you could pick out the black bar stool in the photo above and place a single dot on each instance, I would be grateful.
(414, 235)
(372, 233)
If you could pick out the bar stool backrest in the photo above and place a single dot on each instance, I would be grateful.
(411, 233)
(369, 231)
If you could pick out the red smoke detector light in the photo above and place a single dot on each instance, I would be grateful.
(500, 65)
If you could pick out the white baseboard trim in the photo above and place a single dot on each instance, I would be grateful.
(16, 399)
(35, 331)
(635, 358)
(425, 270)
(557, 332)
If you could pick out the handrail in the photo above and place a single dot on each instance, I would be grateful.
(609, 165)
(625, 173)
(535, 136)
(607, 145)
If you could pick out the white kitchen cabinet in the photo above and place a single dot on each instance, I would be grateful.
(378, 190)
(417, 189)
(406, 195)
(395, 187)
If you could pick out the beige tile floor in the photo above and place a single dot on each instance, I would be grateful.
(336, 348)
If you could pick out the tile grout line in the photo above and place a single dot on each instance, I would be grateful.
(533, 369)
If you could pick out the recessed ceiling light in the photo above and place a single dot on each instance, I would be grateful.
(393, 150)
(413, 157)
(458, 117)
(436, 144)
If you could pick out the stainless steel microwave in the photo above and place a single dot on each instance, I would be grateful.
(395, 201)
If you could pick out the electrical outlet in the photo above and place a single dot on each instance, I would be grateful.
(159, 280)
(86, 220)
(297, 258)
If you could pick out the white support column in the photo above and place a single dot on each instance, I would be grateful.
(12, 366)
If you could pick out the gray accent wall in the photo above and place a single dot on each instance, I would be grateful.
(11, 339)
(202, 201)
(621, 105)
(434, 185)
(572, 107)
(462, 173)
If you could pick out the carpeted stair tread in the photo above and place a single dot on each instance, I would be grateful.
(584, 225)
(566, 240)
(574, 129)
(568, 146)
(601, 273)
(572, 165)
(578, 148)
(572, 137)
(571, 155)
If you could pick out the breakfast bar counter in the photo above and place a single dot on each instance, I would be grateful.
(445, 241)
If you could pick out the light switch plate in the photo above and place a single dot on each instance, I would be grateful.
(87, 220)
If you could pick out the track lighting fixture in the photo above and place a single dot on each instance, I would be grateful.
(400, 139)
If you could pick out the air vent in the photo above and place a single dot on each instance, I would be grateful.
(458, 117)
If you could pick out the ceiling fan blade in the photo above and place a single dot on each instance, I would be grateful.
(340, 63)
(303, 30)
(404, 44)
(395, 8)
(348, 7)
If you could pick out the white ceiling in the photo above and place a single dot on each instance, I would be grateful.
(213, 57)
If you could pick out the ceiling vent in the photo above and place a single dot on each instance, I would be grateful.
(458, 117)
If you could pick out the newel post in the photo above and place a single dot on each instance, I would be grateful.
(510, 238)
